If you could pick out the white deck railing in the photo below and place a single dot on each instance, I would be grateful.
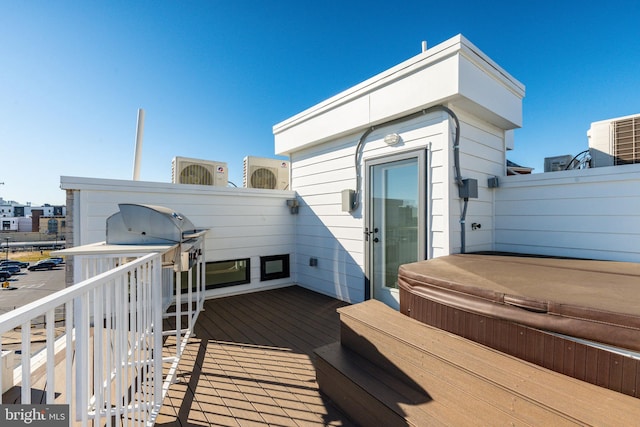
(108, 331)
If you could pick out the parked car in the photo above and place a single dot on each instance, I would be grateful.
(56, 260)
(42, 265)
(20, 264)
(4, 275)
(12, 269)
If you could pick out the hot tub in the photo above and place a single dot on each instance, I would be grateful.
(577, 317)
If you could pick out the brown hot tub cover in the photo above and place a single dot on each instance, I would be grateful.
(592, 300)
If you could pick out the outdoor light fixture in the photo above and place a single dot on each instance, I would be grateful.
(392, 139)
(293, 205)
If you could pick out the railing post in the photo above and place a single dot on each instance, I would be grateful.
(114, 363)
(69, 349)
(178, 314)
(50, 320)
(26, 363)
(81, 307)
(156, 292)
(2, 379)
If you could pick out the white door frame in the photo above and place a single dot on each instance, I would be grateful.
(370, 233)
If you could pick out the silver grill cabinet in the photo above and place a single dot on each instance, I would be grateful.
(152, 258)
(139, 229)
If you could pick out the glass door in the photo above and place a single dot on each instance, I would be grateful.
(395, 231)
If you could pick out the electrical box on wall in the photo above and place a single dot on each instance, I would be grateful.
(347, 200)
(468, 189)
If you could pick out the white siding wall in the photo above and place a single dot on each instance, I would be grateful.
(335, 238)
(482, 155)
(243, 223)
(591, 213)
(323, 230)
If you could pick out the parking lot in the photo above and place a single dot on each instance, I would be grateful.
(28, 286)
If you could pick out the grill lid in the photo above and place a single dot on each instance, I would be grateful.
(138, 224)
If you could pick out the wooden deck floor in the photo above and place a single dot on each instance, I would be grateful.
(251, 363)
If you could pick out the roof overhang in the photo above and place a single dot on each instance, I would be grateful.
(454, 72)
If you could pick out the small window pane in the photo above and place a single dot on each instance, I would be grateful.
(227, 273)
(220, 274)
(274, 267)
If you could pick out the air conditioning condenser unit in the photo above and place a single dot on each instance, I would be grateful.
(266, 173)
(185, 170)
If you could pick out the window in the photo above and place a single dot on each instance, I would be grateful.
(227, 273)
(274, 267)
(220, 274)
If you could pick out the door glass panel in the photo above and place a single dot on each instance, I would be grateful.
(393, 231)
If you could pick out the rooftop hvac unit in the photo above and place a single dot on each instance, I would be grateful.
(557, 163)
(272, 174)
(615, 142)
(626, 140)
(201, 172)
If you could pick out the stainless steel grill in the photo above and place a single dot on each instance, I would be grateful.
(138, 224)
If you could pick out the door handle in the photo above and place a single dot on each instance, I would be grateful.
(367, 233)
(376, 240)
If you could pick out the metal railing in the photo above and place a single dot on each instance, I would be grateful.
(103, 351)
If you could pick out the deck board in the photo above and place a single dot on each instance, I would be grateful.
(251, 363)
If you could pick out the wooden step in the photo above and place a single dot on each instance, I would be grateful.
(370, 395)
(375, 395)
(461, 376)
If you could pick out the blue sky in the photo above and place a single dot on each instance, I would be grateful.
(214, 76)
